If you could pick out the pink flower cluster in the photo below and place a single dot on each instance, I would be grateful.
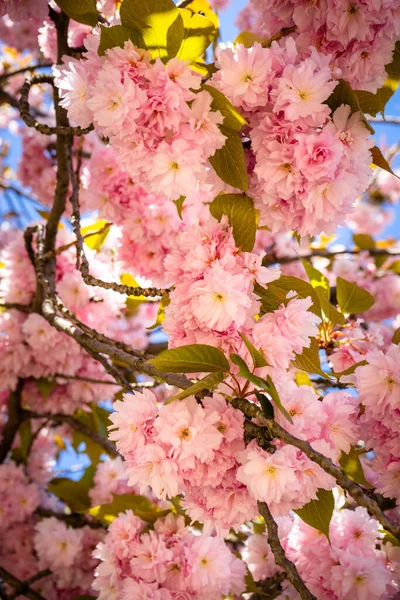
(213, 297)
(198, 449)
(67, 552)
(378, 384)
(358, 36)
(287, 479)
(168, 562)
(19, 498)
(350, 567)
(186, 447)
(309, 166)
(142, 107)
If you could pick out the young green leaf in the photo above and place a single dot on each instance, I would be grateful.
(258, 358)
(266, 385)
(232, 117)
(165, 300)
(351, 465)
(396, 337)
(351, 297)
(318, 513)
(317, 279)
(228, 162)
(364, 241)
(158, 22)
(139, 505)
(309, 360)
(96, 240)
(179, 204)
(117, 35)
(207, 383)
(266, 405)
(45, 386)
(380, 161)
(239, 209)
(191, 359)
(199, 30)
(74, 493)
(83, 11)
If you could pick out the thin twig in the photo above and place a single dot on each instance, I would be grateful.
(75, 520)
(280, 557)
(25, 584)
(24, 70)
(18, 584)
(73, 422)
(284, 260)
(24, 109)
(81, 260)
(392, 120)
(13, 305)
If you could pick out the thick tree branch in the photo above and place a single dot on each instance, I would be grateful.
(16, 583)
(353, 489)
(14, 419)
(280, 557)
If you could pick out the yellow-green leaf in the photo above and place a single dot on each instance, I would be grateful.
(351, 465)
(232, 117)
(364, 241)
(351, 297)
(139, 505)
(396, 337)
(258, 358)
(117, 36)
(228, 162)
(309, 360)
(380, 161)
(160, 313)
(318, 513)
(200, 25)
(208, 382)
(82, 11)
(74, 493)
(99, 232)
(193, 358)
(239, 209)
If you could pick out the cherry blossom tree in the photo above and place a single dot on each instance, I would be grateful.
(178, 312)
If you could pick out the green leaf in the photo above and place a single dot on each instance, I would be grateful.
(396, 337)
(82, 11)
(45, 386)
(96, 240)
(258, 358)
(251, 586)
(276, 293)
(351, 465)
(247, 38)
(191, 359)
(20, 454)
(207, 383)
(318, 513)
(232, 117)
(239, 209)
(266, 405)
(380, 161)
(317, 279)
(139, 505)
(330, 312)
(344, 94)
(309, 360)
(350, 370)
(228, 162)
(97, 420)
(364, 241)
(179, 203)
(372, 104)
(158, 22)
(352, 298)
(395, 267)
(74, 493)
(165, 300)
(200, 26)
(266, 385)
(117, 36)
(389, 537)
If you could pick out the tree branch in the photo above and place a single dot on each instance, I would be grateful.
(284, 260)
(24, 109)
(73, 422)
(18, 584)
(25, 584)
(8, 74)
(354, 490)
(280, 557)
(81, 261)
(14, 419)
(75, 520)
